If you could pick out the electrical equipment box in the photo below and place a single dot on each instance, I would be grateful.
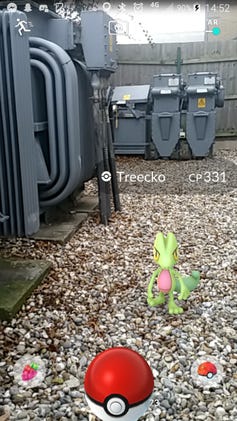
(129, 104)
(98, 41)
(165, 120)
(204, 92)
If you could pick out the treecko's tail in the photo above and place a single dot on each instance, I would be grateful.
(191, 282)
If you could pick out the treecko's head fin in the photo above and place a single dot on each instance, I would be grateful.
(165, 250)
(171, 242)
(168, 243)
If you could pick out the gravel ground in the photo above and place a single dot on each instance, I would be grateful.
(95, 298)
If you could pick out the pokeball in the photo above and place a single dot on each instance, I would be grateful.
(207, 369)
(118, 385)
(207, 372)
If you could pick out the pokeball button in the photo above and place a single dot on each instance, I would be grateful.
(116, 407)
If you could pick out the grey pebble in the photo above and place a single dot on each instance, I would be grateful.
(74, 394)
(165, 403)
(18, 398)
(201, 416)
(168, 383)
(14, 390)
(58, 414)
(77, 410)
(21, 348)
(170, 411)
(60, 367)
(65, 400)
(33, 404)
(44, 410)
(56, 404)
(203, 408)
(220, 412)
(185, 390)
(67, 345)
(22, 415)
(83, 361)
(78, 322)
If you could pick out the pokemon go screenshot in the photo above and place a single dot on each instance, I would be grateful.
(118, 385)
(168, 279)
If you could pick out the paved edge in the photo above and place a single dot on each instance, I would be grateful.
(28, 273)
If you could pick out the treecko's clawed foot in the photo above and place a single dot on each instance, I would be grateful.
(184, 294)
(174, 309)
(156, 301)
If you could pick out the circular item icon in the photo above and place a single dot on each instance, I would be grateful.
(12, 7)
(106, 6)
(29, 371)
(106, 176)
(207, 372)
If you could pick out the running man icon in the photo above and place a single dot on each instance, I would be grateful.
(21, 24)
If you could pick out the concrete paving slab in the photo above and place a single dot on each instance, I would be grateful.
(88, 204)
(63, 221)
(61, 229)
(230, 144)
(18, 278)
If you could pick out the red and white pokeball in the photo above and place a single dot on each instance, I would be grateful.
(207, 372)
(118, 385)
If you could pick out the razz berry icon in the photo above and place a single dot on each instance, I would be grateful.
(29, 372)
(118, 385)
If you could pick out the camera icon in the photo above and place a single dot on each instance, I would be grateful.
(118, 27)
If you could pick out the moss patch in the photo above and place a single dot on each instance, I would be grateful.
(18, 278)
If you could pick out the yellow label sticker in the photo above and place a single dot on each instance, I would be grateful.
(201, 102)
(126, 97)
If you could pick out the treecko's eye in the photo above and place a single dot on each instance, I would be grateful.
(156, 254)
(175, 254)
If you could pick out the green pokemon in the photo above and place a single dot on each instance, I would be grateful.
(168, 279)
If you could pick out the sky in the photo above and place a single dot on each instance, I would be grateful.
(162, 24)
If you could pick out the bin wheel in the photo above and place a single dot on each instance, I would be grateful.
(210, 153)
(151, 153)
(176, 152)
(185, 153)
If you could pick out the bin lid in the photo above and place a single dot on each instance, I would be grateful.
(138, 93)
